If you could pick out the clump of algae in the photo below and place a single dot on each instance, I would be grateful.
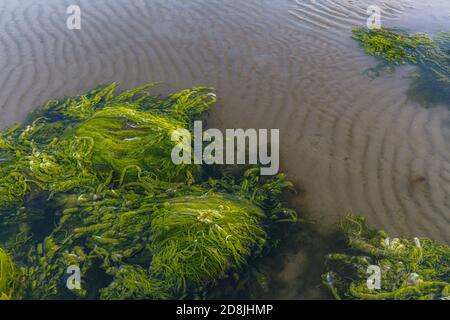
(393, 46)
(88, 181)
(417, 269)
(8, 276)
(431, 84)
(224, 230)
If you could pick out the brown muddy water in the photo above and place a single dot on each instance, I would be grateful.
(349, 143)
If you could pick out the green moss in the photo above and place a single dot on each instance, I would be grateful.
(8, 276)
(410, 269)
(89, 181)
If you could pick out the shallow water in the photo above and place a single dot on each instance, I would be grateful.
(351, 144)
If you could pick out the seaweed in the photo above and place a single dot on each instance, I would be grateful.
(393, 46)
(431, 83)
(134, 282)
(88, 181)
(8, 276)
(417, 269)
(198, 238)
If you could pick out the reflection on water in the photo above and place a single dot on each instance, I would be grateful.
(352, 144)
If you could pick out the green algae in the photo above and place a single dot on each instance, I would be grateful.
(134, 282)
(184, 236)
(393, 46)
(8, 276)
(122, 137)
(88, 181)
(198, 238)
(417, 269)
(430, 85)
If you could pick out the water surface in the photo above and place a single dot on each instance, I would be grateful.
(350, 143)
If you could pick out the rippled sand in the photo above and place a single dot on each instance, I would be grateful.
(352, 144)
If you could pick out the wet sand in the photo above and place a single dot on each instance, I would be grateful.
(350, 143)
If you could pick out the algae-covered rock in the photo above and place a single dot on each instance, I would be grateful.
(415, 269)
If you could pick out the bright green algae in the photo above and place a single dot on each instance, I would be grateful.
(89, 181)
(417, 269)
(431, 83)
(393, 46)
(411, 269)
(8, 276)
